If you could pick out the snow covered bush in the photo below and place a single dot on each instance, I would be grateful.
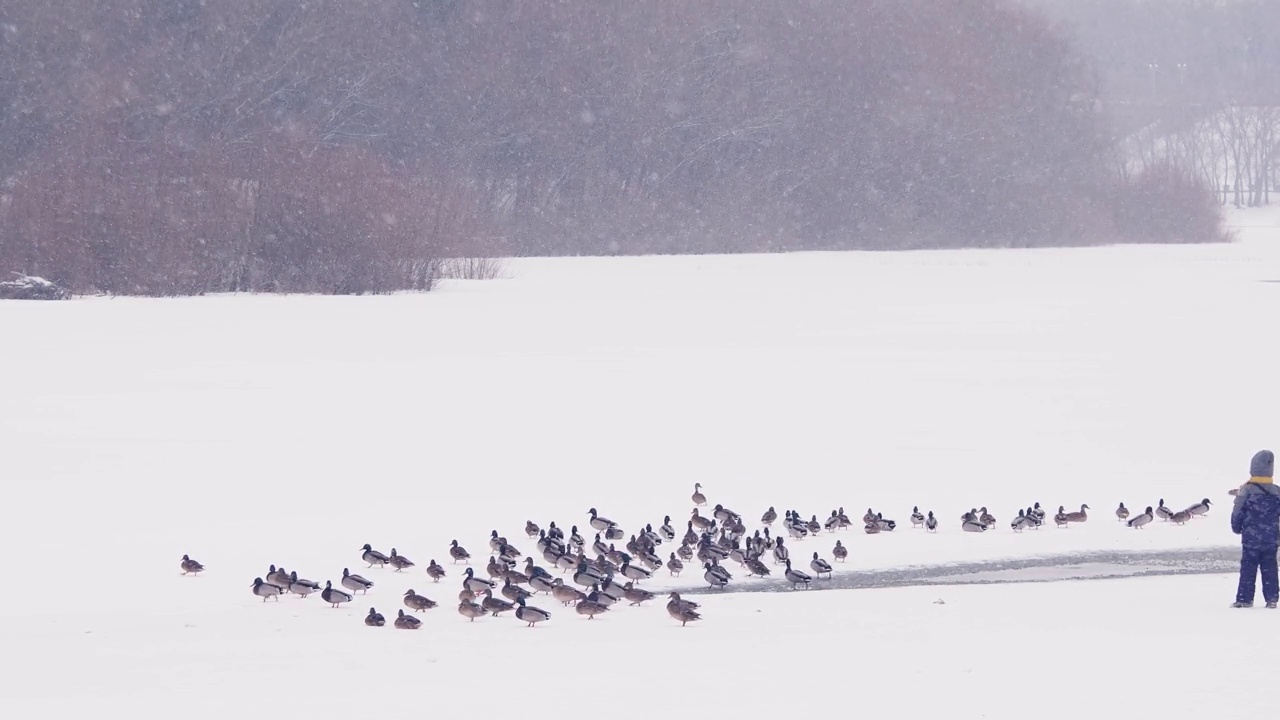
(30, 287)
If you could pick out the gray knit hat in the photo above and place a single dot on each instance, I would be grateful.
(1263, 465)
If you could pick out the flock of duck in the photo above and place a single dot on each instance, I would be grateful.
(711, 540)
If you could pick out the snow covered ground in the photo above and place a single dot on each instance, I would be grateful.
(292, 430)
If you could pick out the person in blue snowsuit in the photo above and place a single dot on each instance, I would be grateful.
(1256, 519)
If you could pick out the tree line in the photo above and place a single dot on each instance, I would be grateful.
(181, 146)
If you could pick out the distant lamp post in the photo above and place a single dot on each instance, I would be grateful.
(1182, 73)
(1154, 68)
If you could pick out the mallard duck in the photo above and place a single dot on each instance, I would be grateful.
(302, 587)
(755, 567)
(685, 552)
(278, 577)
(1077, 517)
(723, 514)
(541, 583)
(667, 532)
(886, 525)
(917, 517)
(493, 604)
(840, 552)
(407, 622)
(599, 547)
(373, 557)
(871, 528)
(1181, 517)
(931, 523)
(798, 530)
(820, 566)
(586, 576)
(1022, 522)
(532, 571)
(613, 532)
(986, 518)
(529, 614)
(600, 523)
(1122, 513)
(334, 596)
(496, 542)
(416, 602)
(1139, 520)
(465, 595)
(971, 523)
(513, 592)
(591, 606)
(565, 594)
(515, 577)
(1036, 520)
(833, 522)
(700, 522)
(375, 619)
(675, 566)
(796, 578)
(769, 516)
(567, 562)
(265, 590)
(698, 498)
(470, 610)
(435, 571)
(682, 611)
(457, 552)
(635, 595)
(531, 528)
(399, 562)
(1163, 512)
(355, 582)
(780, 553)
(615, 555)
(190, 566)
(869, 516)
(1038, 512)
(632, 572)
(610, 590)
(1199, 508)
(813, 526)
(716, 576)
(576, 542)
(1060, 518)
(475, 584)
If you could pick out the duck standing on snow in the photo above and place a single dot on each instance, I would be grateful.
(531, 528)
(457, 552)
(1038, 513)
(278, 577)
(769, 517)
(470, 610)
(1060, 518)
(698, 498)
(717, 576)
(591, 606)
(682, 611)
(1181, 517)
(190, 566)
(494, 605)
(600, 523)
(1199, 508)
(301, 586)
(1122, 513)
(675, 566)
(931, 523)
(917, 517)
(265, 590)
(1077, 517)
(375, 619)
(1139, 520)
(416, 602)
(334, 596)
(373, 557)
(635, 595)
(407, 622)
(475, 584)
(820, 567)
(529, 614)
(1163, 512)
(780, 553)
(355, 582)
(971, 523)
(840, 552)
(796, 578)
(435, 571)
(1022, 522)
(399, 562)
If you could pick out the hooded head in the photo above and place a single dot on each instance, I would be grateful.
(1263, 464)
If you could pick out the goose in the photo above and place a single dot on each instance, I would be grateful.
(600, 523)
(416, 602)
(565, 594)
(399, 562)
(495, 542)
(407, 622)
(917, 517)
(355, 582)
(591, 606)
(1163, 512)
(435, 571)
(1199, 508)
(1122, 513)
(575, 539)
(1139, 520)
(1060, 518)
(278, 577)
(931, 523)
(529, 614)
(681, 611)
(698, 498)
(820, 566)
(667, 532)
(632, 572)
(675, 566)
(302, 587)
(1022, 522)
(457, 552)
(635, 595)
(513, 592)
(715, 576)
(541, 583)
(1077, 516)
(475, 584)
(840, 552)
(796, 578)
(375, 619)
(265, 590)
(470, 610)
(1181, 517)
(531, 529)
(494, 605)
(334, 596)
(972, 523)
(190, 566)
(769, 517)
(373, 557)
(780, 553)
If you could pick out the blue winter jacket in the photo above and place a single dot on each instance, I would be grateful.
(1256, 515)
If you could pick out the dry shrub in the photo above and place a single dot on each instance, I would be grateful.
(1167, 205)
(473, 268)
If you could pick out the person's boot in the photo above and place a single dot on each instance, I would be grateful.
(1271, 605)
(1239, 604)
